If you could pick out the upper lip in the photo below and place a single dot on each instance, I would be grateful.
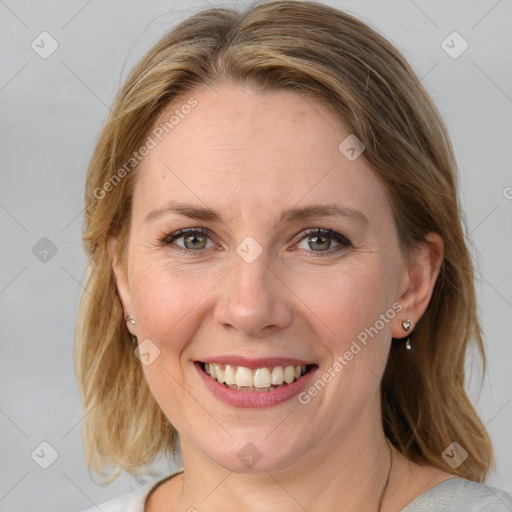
(258, 362)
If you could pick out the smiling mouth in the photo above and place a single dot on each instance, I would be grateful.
(261, 379)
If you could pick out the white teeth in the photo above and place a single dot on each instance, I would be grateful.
(219, 373)
(244, 377)
(289, 374)
(229, 375)
(261, 379)
(277, 376)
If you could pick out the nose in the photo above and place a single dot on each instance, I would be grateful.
(253, 299)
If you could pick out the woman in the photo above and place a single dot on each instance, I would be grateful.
(278, 274)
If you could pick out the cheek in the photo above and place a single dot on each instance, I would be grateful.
(167, 303)
(164, 298)
(346, 307)
(347, 300)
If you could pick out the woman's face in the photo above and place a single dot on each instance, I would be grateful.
(254, 176)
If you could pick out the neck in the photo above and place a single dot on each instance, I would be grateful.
(346, 475)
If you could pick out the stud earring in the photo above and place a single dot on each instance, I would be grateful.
(407, 324)
(131, 321)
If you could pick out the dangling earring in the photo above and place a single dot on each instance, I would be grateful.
(407, 324)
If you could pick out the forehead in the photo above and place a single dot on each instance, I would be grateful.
(237, 149)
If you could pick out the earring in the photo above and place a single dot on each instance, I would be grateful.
(131, 321)
(407, 324)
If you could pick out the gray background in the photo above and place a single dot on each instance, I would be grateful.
(52, 110)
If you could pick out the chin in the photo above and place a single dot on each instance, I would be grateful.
(259, 456)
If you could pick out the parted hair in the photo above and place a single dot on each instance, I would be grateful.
(322, 53)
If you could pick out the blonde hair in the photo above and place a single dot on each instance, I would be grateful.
(323, 53)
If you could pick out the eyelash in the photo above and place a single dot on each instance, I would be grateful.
(341, 240)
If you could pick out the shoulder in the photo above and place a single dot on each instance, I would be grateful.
(459, 494)
(130, 502)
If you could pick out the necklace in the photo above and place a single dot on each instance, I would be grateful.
(385, 488)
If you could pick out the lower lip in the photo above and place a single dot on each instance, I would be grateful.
(255, 399)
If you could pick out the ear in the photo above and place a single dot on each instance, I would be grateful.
(121, 279)
(420, 275)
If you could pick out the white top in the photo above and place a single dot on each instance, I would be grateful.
(453, 495)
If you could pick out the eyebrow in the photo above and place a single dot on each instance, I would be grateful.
(295, 214)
